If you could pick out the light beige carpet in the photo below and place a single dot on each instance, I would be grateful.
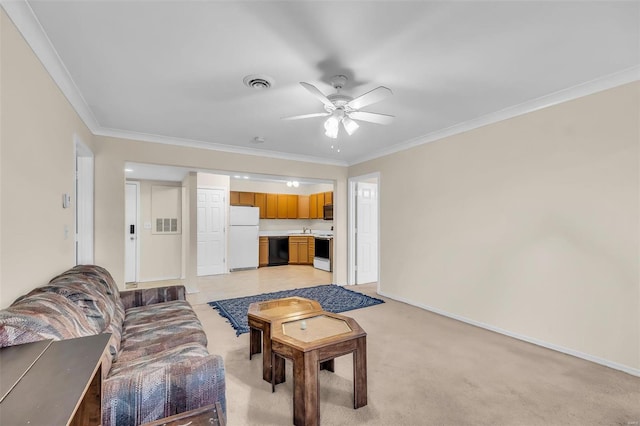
(425, 369)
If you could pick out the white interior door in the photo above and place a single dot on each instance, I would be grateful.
(131, 232)
(366, 232)
(211, 237)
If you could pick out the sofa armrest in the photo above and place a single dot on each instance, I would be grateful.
(150, 296)
(142, 395)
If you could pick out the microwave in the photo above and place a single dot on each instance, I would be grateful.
(328, 212)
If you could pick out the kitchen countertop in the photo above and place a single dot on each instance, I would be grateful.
(296, 233)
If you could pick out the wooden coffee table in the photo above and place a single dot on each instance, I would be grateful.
(261, 315)
(309, 340)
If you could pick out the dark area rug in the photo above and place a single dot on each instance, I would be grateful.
(332, 298)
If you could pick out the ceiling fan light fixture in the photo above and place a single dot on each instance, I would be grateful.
(331, 132)
(349, 125)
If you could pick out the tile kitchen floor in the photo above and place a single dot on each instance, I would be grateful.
(246, 283)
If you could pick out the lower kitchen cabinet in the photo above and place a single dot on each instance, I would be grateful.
(300, 251)
(263, 257)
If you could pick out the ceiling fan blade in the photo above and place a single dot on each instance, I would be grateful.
(318, 94)
(372, 117)
(371, 97)
(298, 117)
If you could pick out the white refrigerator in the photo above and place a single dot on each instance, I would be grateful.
(243, 237)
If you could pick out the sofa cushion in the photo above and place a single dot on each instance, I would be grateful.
(154, 328)
(43, 315)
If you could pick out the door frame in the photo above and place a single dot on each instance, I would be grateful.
(137, 265)
(352, 225)
(84, 202)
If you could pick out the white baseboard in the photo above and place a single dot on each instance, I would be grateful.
(149, 280)
(572, 352)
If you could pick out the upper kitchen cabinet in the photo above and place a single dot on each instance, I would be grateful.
(272, 206)
(260, 201)
(313, 206)
(287, 206)
(328, 197)
(234, 198)
(303, 207)
(320, 206)
(292, 206)
(283, 205)
(237, 198)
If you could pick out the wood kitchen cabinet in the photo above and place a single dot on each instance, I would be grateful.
(263, 257)
(303, 207)
(320, 206)
(247, 199)
(313, 206)
(283, 204)
(234, 198)
(238, 198)
(299, 250)
(292, 206)
(260, 201)
(312, 249)
(272, 206)
(328, 197)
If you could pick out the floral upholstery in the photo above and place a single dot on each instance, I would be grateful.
(157, 364)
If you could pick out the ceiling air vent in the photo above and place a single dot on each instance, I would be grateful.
(258, 81)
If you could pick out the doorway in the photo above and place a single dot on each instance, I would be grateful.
(211, 239)
(84, 203)
(131, 251)
(363, 229)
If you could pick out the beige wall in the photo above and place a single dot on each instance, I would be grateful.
(37, 130)
(530, 225)
(112, 153)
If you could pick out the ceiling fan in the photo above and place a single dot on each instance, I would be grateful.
(345, 109)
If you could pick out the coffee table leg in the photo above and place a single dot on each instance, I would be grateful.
(266, 353)
(360, 373)
(254, 341)
(306, 395)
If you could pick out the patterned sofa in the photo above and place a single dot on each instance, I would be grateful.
(158, 364)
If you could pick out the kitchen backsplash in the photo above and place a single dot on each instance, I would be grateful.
(288, 224)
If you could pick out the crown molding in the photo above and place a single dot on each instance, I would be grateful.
(191, 143)
(590, 87)
(23, 17)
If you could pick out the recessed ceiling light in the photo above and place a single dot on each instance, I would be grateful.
(246, 177)
(237, 177)
(258, 81)
(128, 170)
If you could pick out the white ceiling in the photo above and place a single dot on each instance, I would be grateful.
(172, 71)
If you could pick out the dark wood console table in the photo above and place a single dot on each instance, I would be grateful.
(52, 382)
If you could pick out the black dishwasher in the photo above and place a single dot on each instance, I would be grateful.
(278, 251)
